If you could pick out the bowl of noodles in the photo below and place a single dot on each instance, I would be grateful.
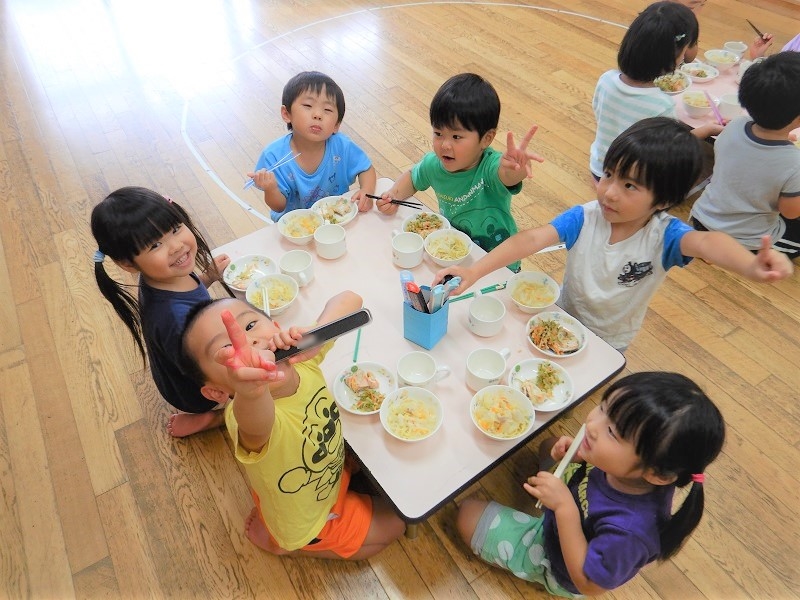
(556, 334)
(502, 412)
(424, 223)
(721, 59)
(448, 247)
(411, 414)
(298, 226)
(281, 289)
(532, 291)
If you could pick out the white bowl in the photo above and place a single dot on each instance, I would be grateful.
(696, 98)
(446, 242)
(738, 48)
(502, 412)
(700, 72)
(425, 222)
(542, 291)
(564, 322)
(348, 399)
(298, 226)
(673, 83)
(336, 210)
(240, 272)
(721, 59)
(526, 372)
(276, 282)
(411, 414)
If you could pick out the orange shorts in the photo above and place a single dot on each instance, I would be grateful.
(345, 532)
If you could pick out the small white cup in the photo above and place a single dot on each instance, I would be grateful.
(486, 316)
(738, 48)
(330, 241)
(407, 249)
(419, 369)
(486, 366)
(729, 106)
(298, 265)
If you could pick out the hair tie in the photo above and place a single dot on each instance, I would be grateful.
(679, 37)
(698, 477)
(168, 199)
(98, 256)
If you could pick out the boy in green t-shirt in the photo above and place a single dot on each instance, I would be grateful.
(473, 182)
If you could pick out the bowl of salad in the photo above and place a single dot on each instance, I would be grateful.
(502, 412)
(298, 226)
(411, 414)
(673, 83)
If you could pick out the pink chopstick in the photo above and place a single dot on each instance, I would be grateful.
(714, 108)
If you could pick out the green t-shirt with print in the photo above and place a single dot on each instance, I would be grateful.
(474, 201)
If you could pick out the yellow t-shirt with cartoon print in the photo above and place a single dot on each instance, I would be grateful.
(296, 476)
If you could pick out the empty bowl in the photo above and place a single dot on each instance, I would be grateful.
(298, 226)
(448, 247)
(533, 291)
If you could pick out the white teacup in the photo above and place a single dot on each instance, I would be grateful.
(738, 48)
(407, 249)
(298, 265)
(419, 369)
(729, 106)
(486, 316)
(330, 241)
(486, 366)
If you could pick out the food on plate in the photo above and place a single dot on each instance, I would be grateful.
(697, 72)
(500, 415)
(362, 380)
(368, 400)
(335, 211)
(533, 293)
(424, 223)
(243, 278)
(547, 334)
(540, 389)
(673, 82)
(280, 293)
(301, 225)
(411, 417)
(448, 247)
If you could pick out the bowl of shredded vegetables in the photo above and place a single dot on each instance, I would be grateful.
(448, 247)
(281, 289)
(411, 414)
(556, 334)
(424, 223)
(532, 291)
(298, 226)
(502, 412)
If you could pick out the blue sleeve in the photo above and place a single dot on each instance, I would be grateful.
(673, 234)
(568, 225)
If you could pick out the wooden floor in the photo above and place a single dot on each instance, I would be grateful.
(97, 501)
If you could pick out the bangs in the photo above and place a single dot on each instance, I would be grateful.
(639, 421)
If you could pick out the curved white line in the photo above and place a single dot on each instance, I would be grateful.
(216, 179)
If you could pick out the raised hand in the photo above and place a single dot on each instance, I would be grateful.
(249, 367)
(516, 158)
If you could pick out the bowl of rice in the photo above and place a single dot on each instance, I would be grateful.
(281, 289)
(411, 414)
(532, 291)
(298, 226)
(448, 247)
(502, 412)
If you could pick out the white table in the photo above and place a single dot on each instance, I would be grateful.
(417, 478)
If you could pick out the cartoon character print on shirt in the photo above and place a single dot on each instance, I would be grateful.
(489, 234)
(633, 273)
(323, 449)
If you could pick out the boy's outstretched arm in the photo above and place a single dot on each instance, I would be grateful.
(724, 251)
(366, 183)
(403, 188)
(515, 165)
(515, 248)
(250, 371)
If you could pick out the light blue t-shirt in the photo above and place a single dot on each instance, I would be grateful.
(341, 164)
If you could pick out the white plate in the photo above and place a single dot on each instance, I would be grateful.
(529, 369)
(320, 205)
(240, 272)
(684, 77)
(711, 72)
(346, 398)
(564, 320)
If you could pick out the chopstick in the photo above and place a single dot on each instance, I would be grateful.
(761, 35)
(488, 289)
(281, 161)
(407, 203)
(358, 342)
(573, 448)
(714, 109)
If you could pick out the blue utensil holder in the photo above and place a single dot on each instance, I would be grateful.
(425, 329)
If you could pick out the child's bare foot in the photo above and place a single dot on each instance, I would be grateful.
(183, 424)
(256, 532)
